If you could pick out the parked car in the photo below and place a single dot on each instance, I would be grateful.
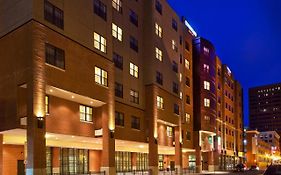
(273, 170)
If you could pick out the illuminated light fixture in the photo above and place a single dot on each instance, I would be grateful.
(72, 96)
(190, 28)
(141, 146)
(92, 102)
(72, 136)
(51, 90)
(4, 142)
(57, 138)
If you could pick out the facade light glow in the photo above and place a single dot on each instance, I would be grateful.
(190, 28)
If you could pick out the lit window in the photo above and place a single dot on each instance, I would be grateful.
(207, 118)
(187, 64)
(47, 110)
(158, 54)
(100, 76)
(99, 42)
(117, 4)
(158, 30)
(187, 118)
(160, 102)
(116, 32)
(180, 76)
(134, 70)
(206, 68)
(134, 96)
(174, 45)
(169, 131)
(206, 102)
(86, 113)
(206, 51)
(207, 85)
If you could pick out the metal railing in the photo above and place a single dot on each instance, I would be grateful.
(135, 172)
(89, 173)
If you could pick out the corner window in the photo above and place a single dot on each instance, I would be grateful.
(53, 14)
(101, 76)
(160, 102)
(174, 45)
(158, 54)
(54, 56)
(206, 102)
(206, 85)
(187, 64)
(158, 30)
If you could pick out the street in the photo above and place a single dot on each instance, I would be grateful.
(238, 173)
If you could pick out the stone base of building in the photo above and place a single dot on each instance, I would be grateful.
(179, 169)
(154, 170)
(198, 168)
(32, 171)
(108, 170)
(211, 168)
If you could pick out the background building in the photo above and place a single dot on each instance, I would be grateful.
(112, 88)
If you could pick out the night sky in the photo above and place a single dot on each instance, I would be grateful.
(245, 33)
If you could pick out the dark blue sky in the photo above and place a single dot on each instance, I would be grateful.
(246, 35)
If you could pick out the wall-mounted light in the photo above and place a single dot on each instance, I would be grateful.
(111, 134)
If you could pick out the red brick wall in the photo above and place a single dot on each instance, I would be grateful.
(95, 160)
(11, 154)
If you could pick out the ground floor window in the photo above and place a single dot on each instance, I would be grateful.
(142, 161)
(191, 161)
(123, 161)
(49, 161)
(161, 162)
(74, 161)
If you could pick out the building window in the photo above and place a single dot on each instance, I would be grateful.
(99, 42)
(187, 81)
(86, 113)
(174, 45)
(54, 56)
(187, 99)
(134, 70)
(134, 96)
(118, 60)
(186, 46)
(117, 5)
(47, 108)
(116, 32)
(174, 25)
(100, 9)
(175, 87)
(176, 109)
(206, 68)
(158, 30)
(119, 118)
(118, 90)
(142, 161)
(175, 66)
(158, 6)
(160, 102)
(135, 122)
(207, 118)
(159, 78)
(188, 135)
(207, 85)
(123, 161)
(158, 54)
(206, 51)
(134, 44)
(187, 64)
(206, 102)
(169, 131)
(53, 14)
(133, 18)
(100, 76)
(186, 118)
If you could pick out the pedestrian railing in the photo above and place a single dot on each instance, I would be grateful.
(89, 173)
(134, 172)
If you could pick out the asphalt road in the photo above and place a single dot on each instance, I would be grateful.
(242, 173)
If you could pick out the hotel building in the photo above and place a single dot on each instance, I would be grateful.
(109, 86)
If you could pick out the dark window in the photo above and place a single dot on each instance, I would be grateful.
(188, 135)
(53, 14)
(134, 18)
(175, 88)
(186, 46)
(188, 99)
(180, 40)
(54, 56)
(135, 122)
(118, 60)
(176, 109)
(180, 58)
(100, 9)
(174, 25)
(134, 96)
(158, 6)
(119, 118)
(118, 90)
(175, 67)
(187, 81)
(134, 44)
(159, 78)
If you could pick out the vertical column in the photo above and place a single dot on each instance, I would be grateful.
(1, 154)
(108, 142)
(153, 151)
(56, 160)
(178, 150)
(198, 155)
(36, 143)
(211, 166)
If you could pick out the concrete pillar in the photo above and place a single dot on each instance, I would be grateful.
(211, 165)
(108, 142)
(178, 151)
(56, 159)
(1, 154)
(198, 155)
(36, 87)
